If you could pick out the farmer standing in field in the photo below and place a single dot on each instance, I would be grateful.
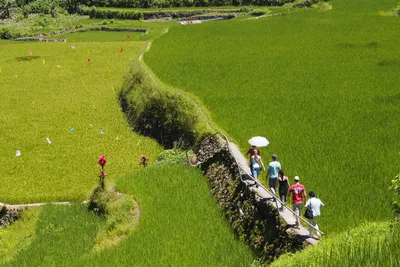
(315, 205)
(298, 192)
(273, 170)
(251, 153)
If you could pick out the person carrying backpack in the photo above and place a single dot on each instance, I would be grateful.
(315, 205)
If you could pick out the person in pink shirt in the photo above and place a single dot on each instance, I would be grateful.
(299, 196)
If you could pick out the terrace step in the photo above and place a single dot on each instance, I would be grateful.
(269, 197)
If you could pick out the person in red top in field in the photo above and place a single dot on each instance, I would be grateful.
(299, 196)
(251, 153)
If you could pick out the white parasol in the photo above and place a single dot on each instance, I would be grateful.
(258, 141)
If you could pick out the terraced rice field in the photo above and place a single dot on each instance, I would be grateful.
(321, 86)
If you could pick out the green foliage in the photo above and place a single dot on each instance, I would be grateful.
(7, 217)
(51, 7)
(164, 115)
(323, 88)
(182, 3)
(99, 200)
(257, 13)
(172, 156)
(136, 14)
(304, 3)
(13, 32)
(5, 9)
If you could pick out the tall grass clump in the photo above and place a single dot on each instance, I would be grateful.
(321, 86)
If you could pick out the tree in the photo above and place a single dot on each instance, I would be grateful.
(5, 9)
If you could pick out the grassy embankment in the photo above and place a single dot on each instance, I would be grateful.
(180, 224)
(321, 86)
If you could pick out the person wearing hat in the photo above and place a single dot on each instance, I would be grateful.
(299, 196)
(272, 173)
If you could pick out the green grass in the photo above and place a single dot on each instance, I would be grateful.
(63, 233)
(373, 244)
(321, 86)
(180, 225)
(18, 236)
(41, 100)
(121, 220)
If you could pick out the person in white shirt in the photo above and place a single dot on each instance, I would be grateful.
(315, 205)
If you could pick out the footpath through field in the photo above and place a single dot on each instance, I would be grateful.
(286, 214)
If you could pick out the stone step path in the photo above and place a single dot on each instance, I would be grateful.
(265, 194)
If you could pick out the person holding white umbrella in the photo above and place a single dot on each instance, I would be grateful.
(256, 141)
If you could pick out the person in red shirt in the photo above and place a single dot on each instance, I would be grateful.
(299, 196)
(251, 153)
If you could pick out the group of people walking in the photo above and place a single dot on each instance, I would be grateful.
(278, 182)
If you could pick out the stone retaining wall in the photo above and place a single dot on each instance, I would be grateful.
(254, 222)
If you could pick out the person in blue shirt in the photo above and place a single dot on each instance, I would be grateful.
(273, 170)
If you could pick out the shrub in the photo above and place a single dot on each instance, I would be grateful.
(172, 156)
(13, 32)
(304, 3)
(98, 202)
(257, 13)
(7, 217)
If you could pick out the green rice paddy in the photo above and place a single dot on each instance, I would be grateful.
(56, 93)
(178, 226)
(321, 86)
